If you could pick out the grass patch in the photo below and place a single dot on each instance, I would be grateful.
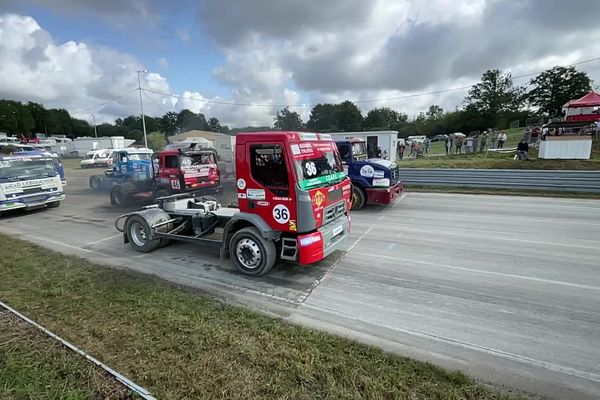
(72, 163)
(34, 366)
(183, 345)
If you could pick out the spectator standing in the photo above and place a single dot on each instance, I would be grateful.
(475, 140)
(501, 139)
(458, 145)
(427, 146)
(401, 152)
(527, 135)
(494, 139)
(523, 150)
(483, 142)
(448, 145)
(469, 146)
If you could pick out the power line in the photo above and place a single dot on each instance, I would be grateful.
(227, 103)
(104, 103)
(155, 102)
(408, 96)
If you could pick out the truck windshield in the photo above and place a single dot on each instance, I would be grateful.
(26, 168)
(140, 156)
(197, 159)
(359, 150)
(317, 164)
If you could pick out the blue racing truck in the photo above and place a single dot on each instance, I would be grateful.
(29, 181)
(374, 180)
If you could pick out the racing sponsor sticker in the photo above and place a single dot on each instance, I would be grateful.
(241, 195)
(367, 171)
(241, 184)
(256, 194)
(378, 173)
(263, 203)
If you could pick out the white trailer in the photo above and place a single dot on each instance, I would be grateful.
(80, 146)
(386, 141)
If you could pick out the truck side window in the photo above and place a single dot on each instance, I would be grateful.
(171, 162)
(344, 152)
(267, 165)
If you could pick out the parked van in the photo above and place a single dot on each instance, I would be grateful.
(416, 139)
(97, 158)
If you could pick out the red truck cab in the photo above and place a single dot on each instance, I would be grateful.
(185, 170)
(296, 183)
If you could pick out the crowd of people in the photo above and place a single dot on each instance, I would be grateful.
(454, 144)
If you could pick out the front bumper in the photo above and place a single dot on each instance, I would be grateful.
(384, 195)
(30, 201)
(313, 247)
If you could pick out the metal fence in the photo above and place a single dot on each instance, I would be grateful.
(560, 181)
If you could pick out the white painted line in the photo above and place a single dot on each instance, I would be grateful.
(143, 392)
(479, 271)
(120, 235)
(358, 239)
(471, 346)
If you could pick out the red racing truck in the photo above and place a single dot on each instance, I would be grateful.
(294, 203)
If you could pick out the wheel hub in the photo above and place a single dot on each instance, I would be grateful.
(248, 253)
(138, 235)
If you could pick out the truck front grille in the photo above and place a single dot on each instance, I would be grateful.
(334, 211)
(395, 175)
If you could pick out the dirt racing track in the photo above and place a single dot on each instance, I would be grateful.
(506, 289)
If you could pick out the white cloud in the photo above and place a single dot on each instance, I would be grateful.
(72, 75)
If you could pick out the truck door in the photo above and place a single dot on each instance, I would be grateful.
(372, 146)
(266, 186)
(170, 171)
(345, 150)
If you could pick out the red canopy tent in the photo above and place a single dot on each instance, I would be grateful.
(586, 108)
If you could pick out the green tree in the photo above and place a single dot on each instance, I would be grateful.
(323, 118)
(434, 112)
(168, 123)
(288, 120)
(349, 117)
(554, 87)
(157, 141)
(187, 120)
(39, 113)
(214, 125)
(494, 94)
(9, 121)
(384, 118)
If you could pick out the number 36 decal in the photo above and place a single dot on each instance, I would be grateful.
(281, 214)
(311, 168)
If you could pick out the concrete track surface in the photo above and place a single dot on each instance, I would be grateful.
(506, 289)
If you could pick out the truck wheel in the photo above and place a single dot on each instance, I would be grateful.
(54, 204)
(251, 253)
(118, 197)
(139, 233)
(358, 198)
(94, 183)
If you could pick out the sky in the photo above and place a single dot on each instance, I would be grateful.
(242, 61)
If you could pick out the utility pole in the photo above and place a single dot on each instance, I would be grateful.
(142, 107)
(95, 131)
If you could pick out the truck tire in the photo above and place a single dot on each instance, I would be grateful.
(139, 234)
(251, 253)
(94, 183)
(118, 197)
(54, 204)
(359, 198)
